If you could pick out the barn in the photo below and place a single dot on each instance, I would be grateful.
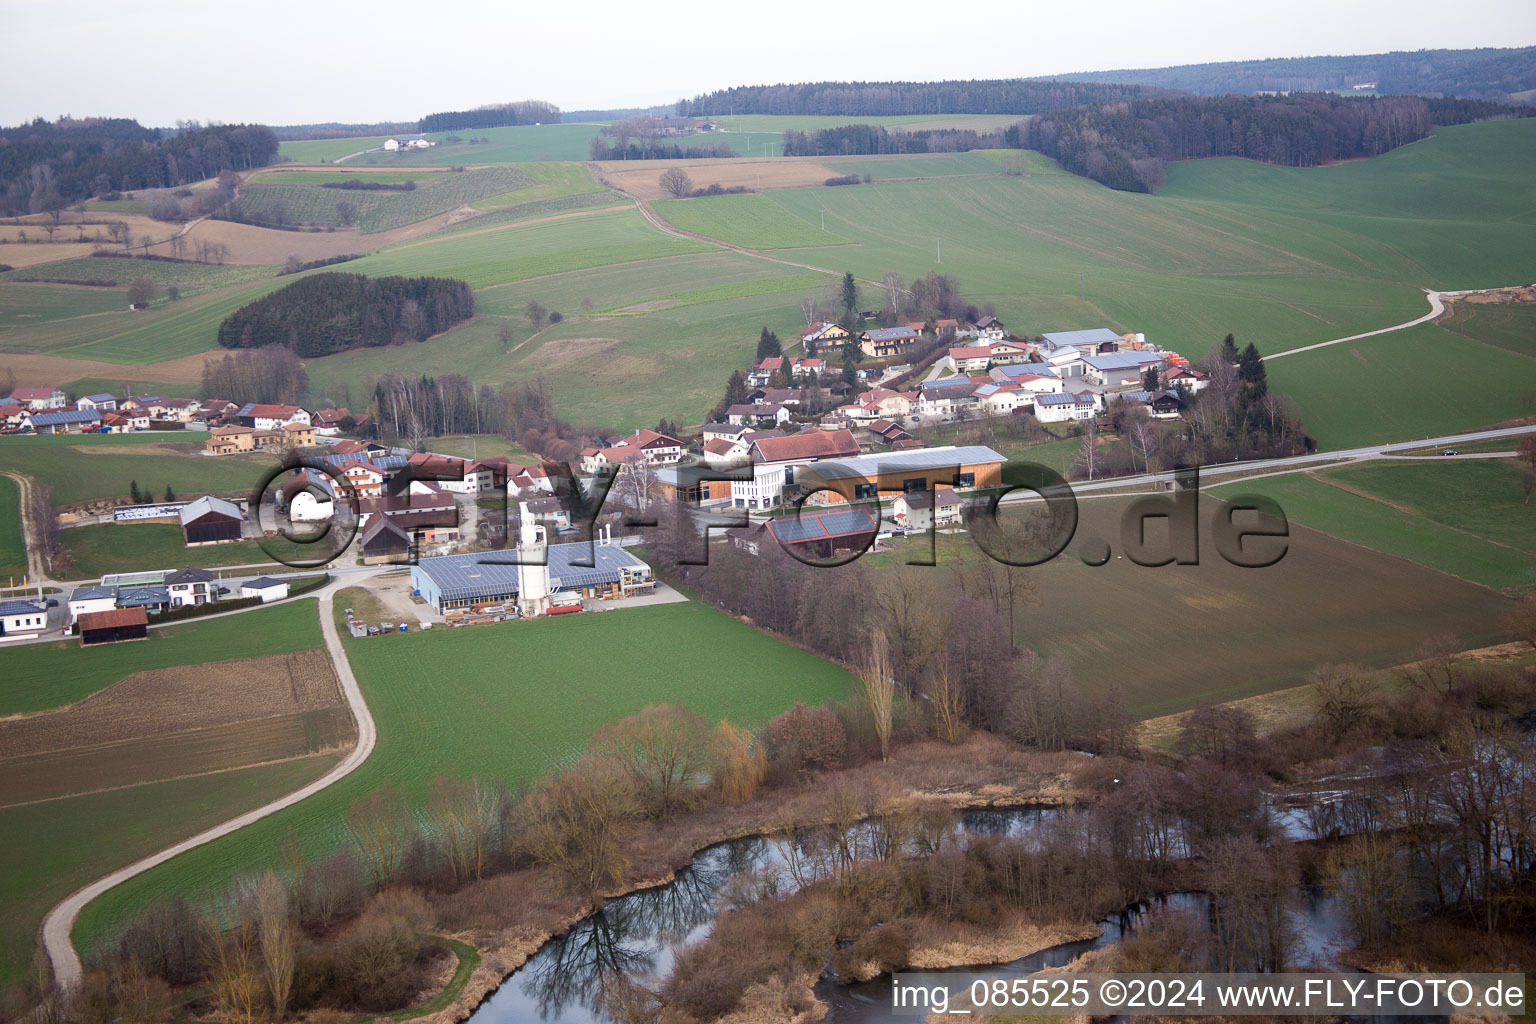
(113, 626)
(824, 534)
(210, 520)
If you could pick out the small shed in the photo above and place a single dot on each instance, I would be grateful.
(113, 626)
(266, 588)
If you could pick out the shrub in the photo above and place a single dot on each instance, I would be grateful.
(806, 739)
(843, 179)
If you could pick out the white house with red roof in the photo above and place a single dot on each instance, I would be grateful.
(39, 399)
(271, 417)
(643, 446)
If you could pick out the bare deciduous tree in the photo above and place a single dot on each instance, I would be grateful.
(279, 942)
(580, 824)
(379, 824)
(676, 183)
(663, 749)
(878, 685)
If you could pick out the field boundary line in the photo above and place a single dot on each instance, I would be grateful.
(60, 922)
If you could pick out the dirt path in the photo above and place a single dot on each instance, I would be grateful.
(1436, 308)
(37, 572)
(60, 921)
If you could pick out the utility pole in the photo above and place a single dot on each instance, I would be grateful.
(823, 220)
(1080, 285)
(937, 251)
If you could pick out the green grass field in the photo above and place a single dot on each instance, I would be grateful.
(1512, 328)
(519, 144)
(42, 676)
(935, 165)
(521, 701)
(483, 446)
(520, 252)
(286, 176)
(1467, 518)
(80, 467)
(13, 548)
(191, 278)
(284, 201)
(24, 305)
(314, 151)
(127, 547)
(60, 845)
(751, 221)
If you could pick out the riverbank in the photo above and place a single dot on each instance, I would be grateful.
(982, 772)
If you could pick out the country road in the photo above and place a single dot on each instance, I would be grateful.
(37, 572)
(1436, 307)
(60, 921)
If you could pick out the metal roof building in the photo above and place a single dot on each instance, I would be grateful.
(871, 466)
(456, 581)
(1073, 339)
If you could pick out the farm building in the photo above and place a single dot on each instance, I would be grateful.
(823, 534)
(67, 421)
(210, 520)
(491, 578)
(113, 626)
(22, 618)
(383, 541)
(266, 588)
(964, 467)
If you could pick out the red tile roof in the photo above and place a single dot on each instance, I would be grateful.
(113, 619)
(807, 446)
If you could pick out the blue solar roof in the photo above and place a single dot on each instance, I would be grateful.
(492, 573)
(54, 419)
(1095, 336)
(822, 525)
(1020, 369)
(20, 608)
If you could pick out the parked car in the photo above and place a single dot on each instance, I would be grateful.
(1450, 451)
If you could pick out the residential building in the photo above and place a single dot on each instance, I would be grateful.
(778, 460)
(1117, 369)
(327, 422)
(101, 403)
(270, 417)
(885, 342)
(645, 446)
(39, 399)
(91, 599)
(12, 415)
(192, 586)
(23, 618)
(545, 510)
(152, 598)
(1059, 408)
(821, 336)
(756, 414)
(926, 510)
(230, 440)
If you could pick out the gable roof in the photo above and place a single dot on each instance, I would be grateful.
(845, 522)
(195, 510)
(806, 446)
(64, 417)
(114, 618)
(1092, 336)
(33, 394)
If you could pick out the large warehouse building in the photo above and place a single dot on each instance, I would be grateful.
(451, 582)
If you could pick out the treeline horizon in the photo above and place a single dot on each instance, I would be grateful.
(47, 165)
(1127, 146)
(496, 115)
(886, 99)
(850, 139)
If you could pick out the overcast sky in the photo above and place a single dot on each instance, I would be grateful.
(299, 61)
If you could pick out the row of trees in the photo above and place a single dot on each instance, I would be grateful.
(849, 139)
(333, 312)
(657, 149)
(45, 166)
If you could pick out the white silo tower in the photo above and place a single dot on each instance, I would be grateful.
(532, 567)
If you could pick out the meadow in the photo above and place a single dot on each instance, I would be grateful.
(305, 203)
(1512, 328)
(190, 278)
(82, 469)
(23, 305)
(750, 221)
(917, 165)
(523, 700)
(13, 548)
(515, 144)
(1463, 517)
(315, 151)
(127, 547)
(50, 675)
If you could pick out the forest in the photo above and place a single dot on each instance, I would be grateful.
(1127, 146)
(1485, 73)
(45, 166)
(884, 99)
(333, 312)
(496, 115)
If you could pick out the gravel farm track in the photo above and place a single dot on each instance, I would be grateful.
(60, 921)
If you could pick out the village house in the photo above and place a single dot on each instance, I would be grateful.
(1059, 408)
(763, 374)
(545, 510)
(1032, 377)
(884, 342)
(459, 476)
(720, 453)
(230, 440)
(524, 479)
(101, 403)
(926, 510)
(180, 409)
(64, 421)
(775, 396)
(11, 415)
(1117, 369)
(152, 598)
(114, 423)
(408, 142)
(215, 410)
(1190, 380)
(722, 432)
(756, 414)
(152, 406)
(266, 588)
(39, 399)
(382, 541)
(91, 599)
(270, 417)
(210, 520)
(776, 461)
(192, 586)
(643, 446)
(361, 478)
(327, 422)
(822, 335)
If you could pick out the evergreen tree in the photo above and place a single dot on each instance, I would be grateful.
(1229, 350)
(1250, 370)
(850, 296)
(170, 495)
(736, 389)
(768, 345)
(781, 377)
(133, 492)
(1149, 379)
(850, 372)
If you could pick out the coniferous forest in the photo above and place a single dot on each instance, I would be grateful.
(333, 312)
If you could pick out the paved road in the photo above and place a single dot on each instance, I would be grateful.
(61, 919)
(1301, 463)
